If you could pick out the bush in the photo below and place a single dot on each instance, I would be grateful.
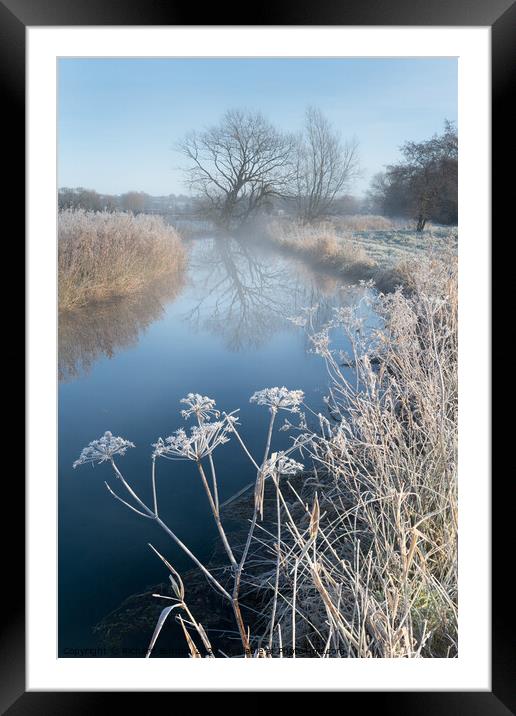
(104, 254)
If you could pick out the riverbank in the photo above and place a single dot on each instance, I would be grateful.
(367, 565)
(372, 249)
(103, 255)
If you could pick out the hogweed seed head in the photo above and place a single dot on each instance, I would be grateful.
(201, 442)
(321, 343)
(103, 449)
(200, 405)
(279, 398)
(280, 464)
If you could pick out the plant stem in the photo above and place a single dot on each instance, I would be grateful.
(216, 516)
(201, 566)
(243, 558)
(130, 489)
(278, 547)
(237, 434)
(214, 480)
(154, 493)
(167, 529)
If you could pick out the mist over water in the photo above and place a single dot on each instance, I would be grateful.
(125, 365)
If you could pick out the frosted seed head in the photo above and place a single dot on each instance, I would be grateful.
(199, 443)
(280, 464)
(103, 449)
(200, 405)
(279, 398)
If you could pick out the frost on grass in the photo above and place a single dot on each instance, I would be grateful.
(321, 343)
(103, 449)
(279, 398)
(104, 254)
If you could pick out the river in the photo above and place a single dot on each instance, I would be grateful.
(124, 366)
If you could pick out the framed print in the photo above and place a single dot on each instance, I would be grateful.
(258, 267)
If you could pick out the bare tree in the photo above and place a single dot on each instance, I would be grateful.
(238, 165)
(324, 166)
(134, 201)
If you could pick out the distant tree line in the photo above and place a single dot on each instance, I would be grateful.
(244, 166)
(136, 202)
(182, 204)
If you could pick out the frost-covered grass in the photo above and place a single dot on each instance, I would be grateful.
(386, 248)
(378, 515)
(106, 254)
(321, 245)
(382, 254)
(360, 560)
(368, 222)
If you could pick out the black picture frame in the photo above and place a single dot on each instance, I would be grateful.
(500, 15)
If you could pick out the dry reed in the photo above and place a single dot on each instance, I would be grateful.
(369, 222)
(376, 576)
(320, 245)
(103, 254)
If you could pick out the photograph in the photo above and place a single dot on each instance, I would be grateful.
(258, 256)
(257, 357)
(258, 323)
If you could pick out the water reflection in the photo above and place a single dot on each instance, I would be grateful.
(238, 291)
(87, 334)
(244, 294)
(238, 295)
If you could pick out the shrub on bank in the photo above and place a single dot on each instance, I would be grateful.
(106, 254)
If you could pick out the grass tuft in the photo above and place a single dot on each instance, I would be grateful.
(321, 245)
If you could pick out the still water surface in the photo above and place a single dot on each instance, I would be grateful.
(125, 365)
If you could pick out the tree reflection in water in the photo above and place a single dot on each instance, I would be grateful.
(237, 291)
(245, 295)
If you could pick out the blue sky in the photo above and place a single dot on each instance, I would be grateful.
(119, 118)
